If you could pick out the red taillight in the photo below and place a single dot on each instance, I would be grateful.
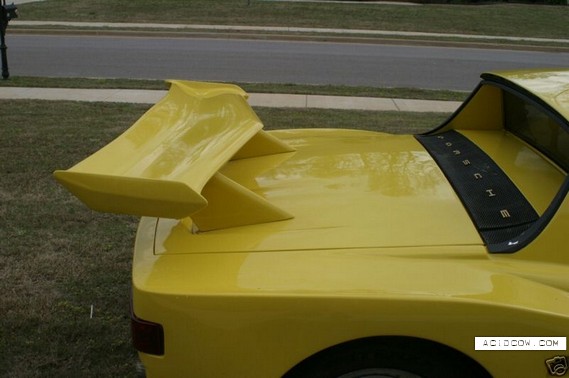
(147, 337)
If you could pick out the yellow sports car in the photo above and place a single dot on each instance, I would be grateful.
(345, 253)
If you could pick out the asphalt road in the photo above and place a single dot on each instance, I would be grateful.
(237, 60)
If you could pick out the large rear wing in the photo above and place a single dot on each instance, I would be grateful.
(166, 164)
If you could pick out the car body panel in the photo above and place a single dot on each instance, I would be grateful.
(339, 175)
(372, 240)
(296, 303)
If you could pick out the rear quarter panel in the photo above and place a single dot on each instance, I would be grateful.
(259, 314)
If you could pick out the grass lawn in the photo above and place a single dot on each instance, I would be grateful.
(65, 269)
(484, 19)
(57, 259)
(330, 90)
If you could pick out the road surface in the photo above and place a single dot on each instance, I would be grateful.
(238, 60)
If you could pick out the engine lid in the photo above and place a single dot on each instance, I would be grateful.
(345, 189)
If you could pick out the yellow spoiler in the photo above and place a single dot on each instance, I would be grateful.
(166, 164)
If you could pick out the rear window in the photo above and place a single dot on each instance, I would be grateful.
(538, 128)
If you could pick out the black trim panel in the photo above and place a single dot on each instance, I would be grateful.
(498, 209)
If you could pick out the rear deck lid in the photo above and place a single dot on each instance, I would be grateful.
(345, 189)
